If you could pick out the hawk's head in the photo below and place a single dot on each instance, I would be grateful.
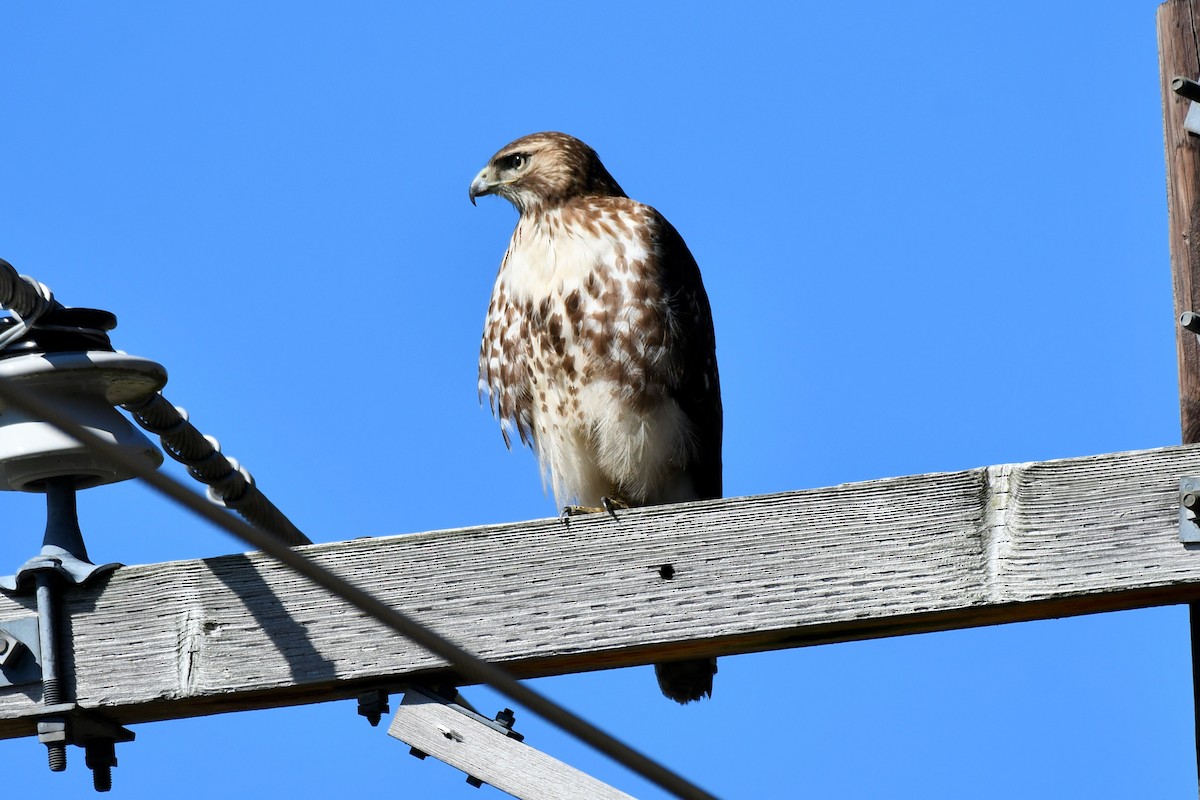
(543, 170)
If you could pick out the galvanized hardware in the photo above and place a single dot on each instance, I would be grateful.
(63, 561)
(506, 718)
(67, 723)
(373, 705)
(100, 757)
(20, 653)
(1190, 321)
(63, 552)
(1189, 510)
(1190, 90)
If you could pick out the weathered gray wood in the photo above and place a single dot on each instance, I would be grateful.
(887, 557)
(492, 757)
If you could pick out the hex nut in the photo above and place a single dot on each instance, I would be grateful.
(10, 649)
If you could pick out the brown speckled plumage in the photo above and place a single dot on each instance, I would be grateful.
(598, 348)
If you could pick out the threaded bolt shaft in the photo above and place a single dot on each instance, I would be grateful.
(56, 752)
(101, 757)
(102, 778)
(57, 757)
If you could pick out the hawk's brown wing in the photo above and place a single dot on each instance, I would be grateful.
(697, 385)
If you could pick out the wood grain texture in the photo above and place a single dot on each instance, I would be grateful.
(1179, 55)
(880, 558)
(492, 757)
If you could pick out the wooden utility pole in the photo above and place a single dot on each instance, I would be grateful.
(1178, 28)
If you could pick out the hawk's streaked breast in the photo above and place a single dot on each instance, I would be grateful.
(577, 353)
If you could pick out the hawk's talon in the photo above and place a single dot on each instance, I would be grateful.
(611, 505)
(608, 506)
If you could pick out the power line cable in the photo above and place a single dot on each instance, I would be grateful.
(229, 483)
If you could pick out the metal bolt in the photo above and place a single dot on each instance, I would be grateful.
(100, 757)
(1185, 87)
(412, 751)
(506, 718)
(52, 694)
(1190, 320)
(373, 705)
(102, 779)
(471, 779)
(1190, 501)
(56, 757)
(52, 732)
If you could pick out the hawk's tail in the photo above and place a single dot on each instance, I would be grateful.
(685, 681)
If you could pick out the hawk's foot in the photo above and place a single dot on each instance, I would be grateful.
(609, 505)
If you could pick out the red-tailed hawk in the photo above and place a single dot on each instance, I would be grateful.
(598, 348)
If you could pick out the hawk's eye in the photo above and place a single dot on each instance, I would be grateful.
(516, 161)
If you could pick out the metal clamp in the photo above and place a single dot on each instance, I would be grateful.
(1190, 321)
(67, 723)
(1189, 510)
(1190, 90)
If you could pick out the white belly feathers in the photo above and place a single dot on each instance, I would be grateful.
(587, 317)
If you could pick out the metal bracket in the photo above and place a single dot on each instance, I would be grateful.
(62, 562)
(1190, 90)
(20, 652)
(1189, 508)
(67, 723)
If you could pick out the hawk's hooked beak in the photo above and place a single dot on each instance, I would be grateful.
(481, 185)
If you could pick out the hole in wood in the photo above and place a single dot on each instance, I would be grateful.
(666, 572)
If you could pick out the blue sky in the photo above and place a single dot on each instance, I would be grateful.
(934, 238)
